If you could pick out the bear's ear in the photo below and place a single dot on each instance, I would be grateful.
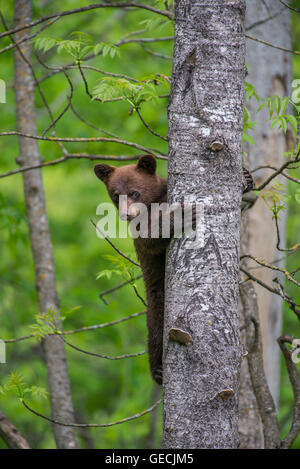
(103, 171)
(147, 163)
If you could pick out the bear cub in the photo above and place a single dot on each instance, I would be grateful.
(140, 183)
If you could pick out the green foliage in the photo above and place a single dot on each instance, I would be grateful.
(277, 107)
(15, 384)
(78, 47)
(115, 88)
(46, 323)
(156, 24)
(135, 93)
(276, 198)
(248, 125)
(112, 390)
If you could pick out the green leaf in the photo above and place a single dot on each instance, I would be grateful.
(249, 139)
(293, 121)
(44, 43)
(263, 105)
(284, 104)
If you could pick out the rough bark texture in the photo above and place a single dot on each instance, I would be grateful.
(250, 425)
(257, 374)
(205, 127)
(11, 435)
(59, 385)
(270, 73)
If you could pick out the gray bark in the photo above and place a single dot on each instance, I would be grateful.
(10, 434)
(59, 385)
(270, 73)
(250, 424)
(207, 97)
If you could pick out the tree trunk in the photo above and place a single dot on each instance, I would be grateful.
(59, 385)
(205, 127)
(250, 424)
(270, 72)
(10, 434)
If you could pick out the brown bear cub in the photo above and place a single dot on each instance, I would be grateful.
(140, 183)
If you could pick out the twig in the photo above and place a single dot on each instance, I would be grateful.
(295, 383)
(10, 434)
(115, 247)
(272, 45)
(149, 128)
(80, 329)
(83, 139)
(86, 8)
(28, 38)
(289, 7)
(272, 267)
(107, 357)
(261, 390)
(92, 425)
(114, 289)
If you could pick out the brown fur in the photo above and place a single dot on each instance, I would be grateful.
(126, 180)
(151, 252)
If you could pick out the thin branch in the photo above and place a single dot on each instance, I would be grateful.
(121, 42)
(260, 386)
(64, 110)
(289, 7)
(71, 156)
(295, 383)
(80, 329)
(272, 267)
(276, 173)
(272, 16)
(272, 45)
(84, 139)
(92, 425)
(156, 54)
(280, 292)
(28, 38)
(107, 357)
(83, 9)
(294, 248)
(114, 289)
(149, 128)
(115, 247)
(10, 434)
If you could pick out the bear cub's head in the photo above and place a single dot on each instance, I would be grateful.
(139, 182)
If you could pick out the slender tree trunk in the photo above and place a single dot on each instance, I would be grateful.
(270, 73)
(250, 425)
(205, 126)
(11, 435)
(59, 385)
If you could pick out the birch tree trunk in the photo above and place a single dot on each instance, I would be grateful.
(270, 72)
(205, 128)
(59, 385)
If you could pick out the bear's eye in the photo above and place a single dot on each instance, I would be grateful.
(134, 195)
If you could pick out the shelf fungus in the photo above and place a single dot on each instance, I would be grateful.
(226, 394)
(216, 146)
(178, 335)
